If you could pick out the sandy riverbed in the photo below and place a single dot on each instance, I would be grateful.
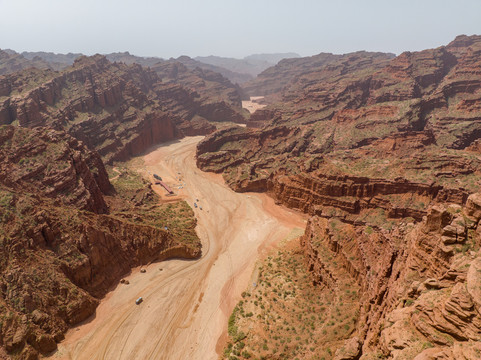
(252, 105)
(187, 303)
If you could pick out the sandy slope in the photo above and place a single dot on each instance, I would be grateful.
(186, 305)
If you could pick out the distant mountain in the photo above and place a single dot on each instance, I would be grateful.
(9, 51)
(129, 59)
(252, 64)
(68, 59)
(233, 76)
(272, 58)
(238, 71)
(11, 62)
(154, 62)
(56, 61)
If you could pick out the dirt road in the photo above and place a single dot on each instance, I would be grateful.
(187, 303)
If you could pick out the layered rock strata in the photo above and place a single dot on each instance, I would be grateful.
(117, 109)
(382, 152)
(66, 236)
(415, 280)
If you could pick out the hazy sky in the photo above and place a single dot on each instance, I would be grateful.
(233, 28)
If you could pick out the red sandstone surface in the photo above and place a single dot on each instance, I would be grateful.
(67, 235)
(382, 152)
(119, 110)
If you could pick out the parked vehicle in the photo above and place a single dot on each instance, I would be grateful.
(195, 205)
(139, 300)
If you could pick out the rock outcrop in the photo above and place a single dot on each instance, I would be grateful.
(51, 164)
(117, 109)
(311, 194)
(415, 281)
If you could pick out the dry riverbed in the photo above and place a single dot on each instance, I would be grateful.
(186, 303)
(253, 104)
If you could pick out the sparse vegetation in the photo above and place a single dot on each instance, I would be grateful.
(285, 316)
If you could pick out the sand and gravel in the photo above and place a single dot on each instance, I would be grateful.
(186, 303)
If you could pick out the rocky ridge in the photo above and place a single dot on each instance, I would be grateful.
(117, 109)
(61, 61)
(273, 80)
(220, 98)
(234, 76)
(356, 105)
(11, 62)
(210, 82)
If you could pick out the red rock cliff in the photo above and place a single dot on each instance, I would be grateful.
(116, 109)
(60, 250)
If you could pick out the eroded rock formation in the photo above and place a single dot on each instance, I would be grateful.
(66, 236)
(415, 279)
(117, 109)
(382, 152)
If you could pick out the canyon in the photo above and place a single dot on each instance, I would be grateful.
(68, 235)
(188, 302)
(328, 208)
(381, 153)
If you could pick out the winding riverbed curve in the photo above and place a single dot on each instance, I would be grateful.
(186, 303)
